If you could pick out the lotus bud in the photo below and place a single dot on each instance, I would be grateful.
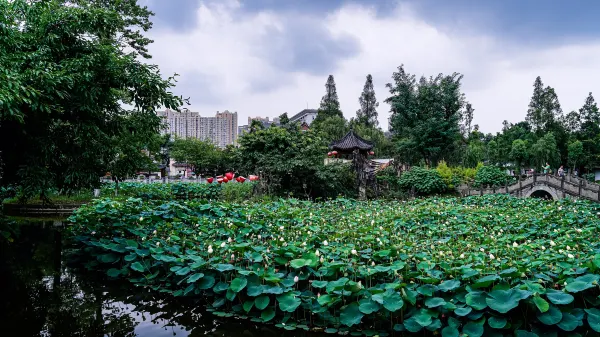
(210, 250)
(462, 256)
(233, 256)
(157, 244)
(94, 233)
(229, 240)
(296, 279)
(259, 237)
(373, 263)
(318, 295)
(515, 244)
(142, 218)
(321, 259)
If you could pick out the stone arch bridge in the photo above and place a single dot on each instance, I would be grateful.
(544, 186)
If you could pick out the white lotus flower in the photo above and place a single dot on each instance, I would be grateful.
(317, 253)
(481, 250)
(321, 259)
(492, 256)
(578, 230)
(543, 248)
(210, 250)
(259, 237)
(570, 256)
(304, 243)
(154, 232)
(233, 256)
(552, 243)
(373, 263)
(296, 279)
(141, 218)
(462, 256)
(353, 251)
(157, 244)
(93, 233)
(280, 227)
(281, 239)
(325, 243)
(515, 244)
(229, 239)
(223, 244)
(568, 248)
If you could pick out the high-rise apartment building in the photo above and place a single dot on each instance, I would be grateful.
(221, 129)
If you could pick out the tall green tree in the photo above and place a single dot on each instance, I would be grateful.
(468, 119)
(425, 115)
(589, 112)
(331, 128)
(66, 67)
(330, 104)
(545, 150)
(367, 114)
(536, 105)
(519, 154)
(284, 120)
(575, 153)
(201, 156)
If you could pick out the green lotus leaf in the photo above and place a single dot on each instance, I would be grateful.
(412, 325)
(426, 290)
(224, 267)
(267, 314)
(112, 272)
(463, 311)
(261, 302)
(559, 297)
(350, 314)
(392, 300)
(220, 287)
(568, 322)
(523, 333)
(593, 318)
(503, 300)
(368, 306)
(183, 271)
(298, 263)
(248, 306)
(434, 302)
(254, 289)
(195, 277)
(449, 285)
(137, 267)
(541, 303)
(423, 318)
(550, 317)
(206, 282)
(476, 300)
(319, 284)
(288, 302)
(474, 328)
(449, 331)
(497, 322)
(237, 284)
(577, 286)
(219, 302)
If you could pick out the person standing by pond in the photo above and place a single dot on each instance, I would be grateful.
(546, 168)
(561, 172)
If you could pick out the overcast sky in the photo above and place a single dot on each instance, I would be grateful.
(266, 57)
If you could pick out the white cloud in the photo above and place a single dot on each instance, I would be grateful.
(498, 75)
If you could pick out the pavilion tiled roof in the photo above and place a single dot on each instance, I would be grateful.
(350, 142)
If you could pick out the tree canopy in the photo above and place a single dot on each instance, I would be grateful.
(72, 81)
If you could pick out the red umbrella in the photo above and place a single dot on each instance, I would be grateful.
(229, 175)
(209, 180)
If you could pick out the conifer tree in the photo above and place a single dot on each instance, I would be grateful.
(367, 114)
(330, 104)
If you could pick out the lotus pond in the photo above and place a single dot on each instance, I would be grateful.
(496, 265)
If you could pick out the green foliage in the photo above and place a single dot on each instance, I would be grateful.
(448, 175)
(519, 153)
(367, 114)
(66, 68)
(575, 153)
(425, 115)
(545, 151)
(201, 155)
(291, 162)
(490, 176)
(334, 263)
(423, 181)
(330, 104)
(231, 191)
(331, 128)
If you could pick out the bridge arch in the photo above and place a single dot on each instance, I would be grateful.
(541, 191)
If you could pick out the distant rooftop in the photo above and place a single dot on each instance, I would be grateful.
(350, 142)
(302, 114)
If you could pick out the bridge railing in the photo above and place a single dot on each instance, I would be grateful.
(571, 186)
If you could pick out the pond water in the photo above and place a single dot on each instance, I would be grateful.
(44, 293)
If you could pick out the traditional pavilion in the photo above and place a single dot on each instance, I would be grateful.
(353, 147)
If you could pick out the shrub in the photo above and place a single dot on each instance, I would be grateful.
(237, 192)
(490, 176)
(449, 175)
(423, 181)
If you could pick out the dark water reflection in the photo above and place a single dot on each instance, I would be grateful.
(43, 293)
